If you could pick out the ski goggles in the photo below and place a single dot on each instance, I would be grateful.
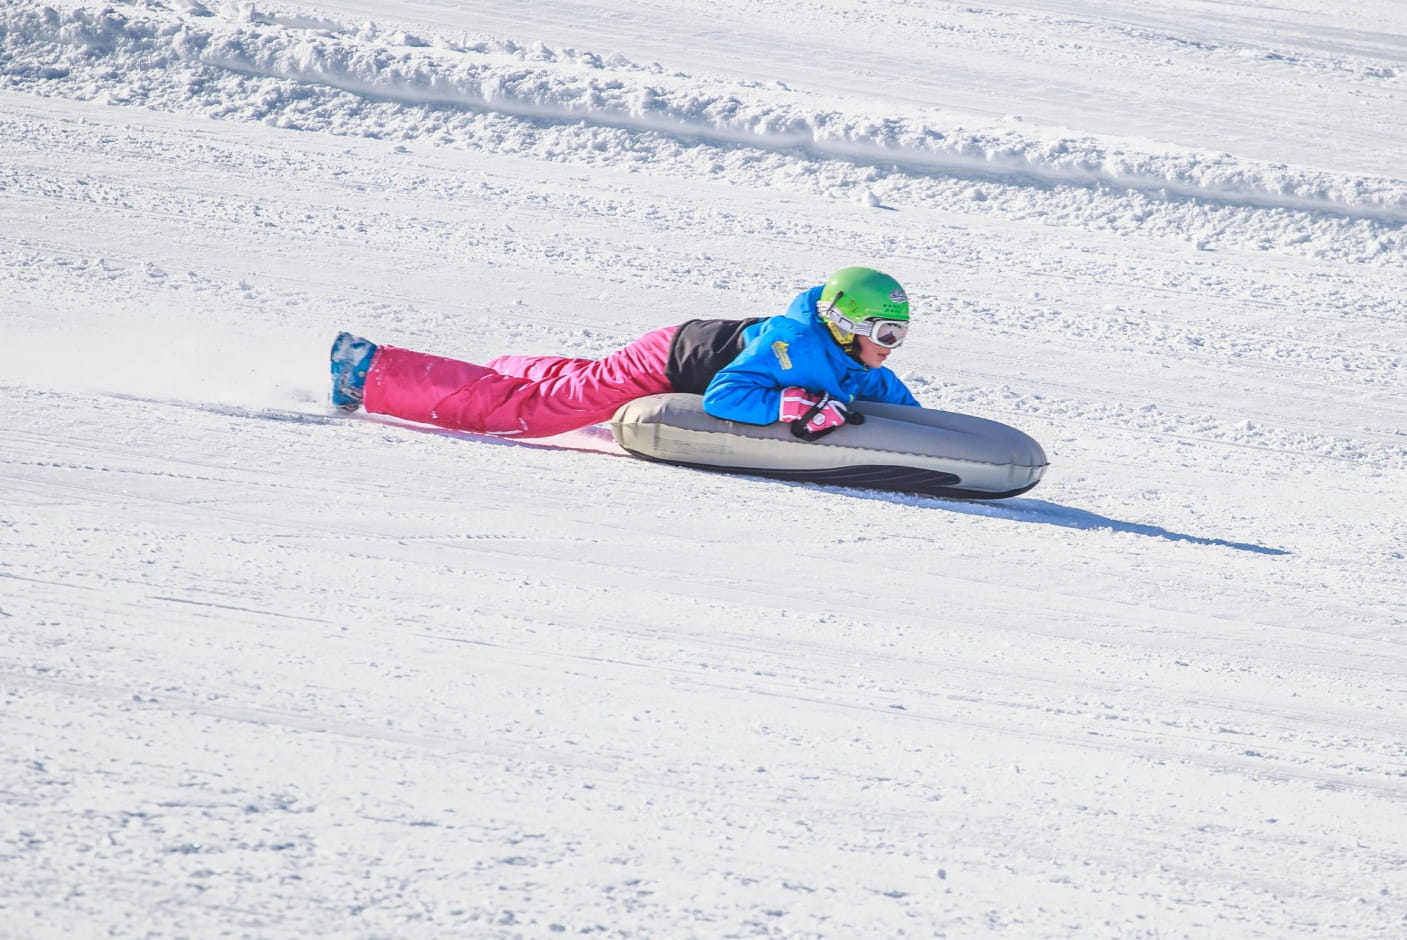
(886, 333)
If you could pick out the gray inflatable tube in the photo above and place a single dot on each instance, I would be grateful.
(898, 448)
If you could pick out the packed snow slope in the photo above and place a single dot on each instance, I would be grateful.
(270, 671)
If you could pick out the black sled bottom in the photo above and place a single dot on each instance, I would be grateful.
(877, 477)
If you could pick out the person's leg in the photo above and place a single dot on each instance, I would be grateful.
(537, 368)
(468, 397)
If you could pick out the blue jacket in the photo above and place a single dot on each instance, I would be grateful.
(795, 349)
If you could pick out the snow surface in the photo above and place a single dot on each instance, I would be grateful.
(268, 671)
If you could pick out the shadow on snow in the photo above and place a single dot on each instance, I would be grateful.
(1043, 512)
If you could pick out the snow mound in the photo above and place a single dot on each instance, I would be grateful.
(316, 74)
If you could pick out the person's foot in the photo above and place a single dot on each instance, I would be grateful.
(351, 358)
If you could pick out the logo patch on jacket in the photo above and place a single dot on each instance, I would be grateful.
(779, 349)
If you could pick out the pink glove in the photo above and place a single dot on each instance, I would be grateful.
(812, 414)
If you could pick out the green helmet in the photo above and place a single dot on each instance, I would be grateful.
(860, 294)
(859, 302)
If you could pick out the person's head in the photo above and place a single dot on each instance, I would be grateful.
(867, 312)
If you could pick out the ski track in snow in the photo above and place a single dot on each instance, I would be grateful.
(271, 671)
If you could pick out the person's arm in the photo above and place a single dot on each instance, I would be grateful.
(749, 389)
(885, 386)
(745, 391)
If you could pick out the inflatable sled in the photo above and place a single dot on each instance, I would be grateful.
(899, 448)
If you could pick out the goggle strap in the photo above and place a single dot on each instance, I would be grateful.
(844, 323)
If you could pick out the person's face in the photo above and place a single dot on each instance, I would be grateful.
(871, 353)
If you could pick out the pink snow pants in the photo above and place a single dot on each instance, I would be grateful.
(521, 396)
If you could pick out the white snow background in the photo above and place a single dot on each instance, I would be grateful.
(269, 671)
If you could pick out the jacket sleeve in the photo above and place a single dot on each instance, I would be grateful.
(885, 386)
(749, 389)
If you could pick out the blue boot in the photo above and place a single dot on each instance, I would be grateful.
(351, 358)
